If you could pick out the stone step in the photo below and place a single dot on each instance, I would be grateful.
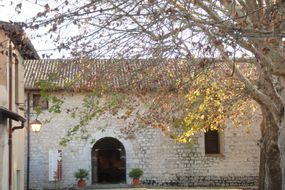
(109, 186)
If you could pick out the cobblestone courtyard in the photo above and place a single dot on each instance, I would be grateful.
(179, 189)
(173, 188)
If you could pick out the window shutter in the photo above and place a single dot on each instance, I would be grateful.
(39, 102)
(212, 144)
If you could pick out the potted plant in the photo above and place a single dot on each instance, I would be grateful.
(135, 174)
(81, 175)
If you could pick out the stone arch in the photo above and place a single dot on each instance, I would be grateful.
(129, 152)
(108, 161)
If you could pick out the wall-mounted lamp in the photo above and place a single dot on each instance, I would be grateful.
(36, 125)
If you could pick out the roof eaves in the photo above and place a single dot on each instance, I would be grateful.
(19, 38)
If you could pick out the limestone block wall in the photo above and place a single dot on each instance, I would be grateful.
(163, 161)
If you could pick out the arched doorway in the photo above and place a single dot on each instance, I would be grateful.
(108, 159)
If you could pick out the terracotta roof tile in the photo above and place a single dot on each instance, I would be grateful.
(110, 74)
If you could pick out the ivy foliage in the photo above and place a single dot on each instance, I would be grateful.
(212, 97)
(55, 102)
(93, 106)
(206, 106)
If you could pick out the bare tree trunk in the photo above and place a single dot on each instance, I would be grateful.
(281, 143)
(281, 137)
(262, 164)
(270, 170)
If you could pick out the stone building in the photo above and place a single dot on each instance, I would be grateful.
(14, 48)
(228, 158)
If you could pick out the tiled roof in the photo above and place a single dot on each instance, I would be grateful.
(109, 74)
(17, 35)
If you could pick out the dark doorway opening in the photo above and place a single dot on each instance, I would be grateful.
(108, 161)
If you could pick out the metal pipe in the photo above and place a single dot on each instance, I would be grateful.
(10, 154)
(28, 142)
(10, 98)
(10, 77)
(18, 127)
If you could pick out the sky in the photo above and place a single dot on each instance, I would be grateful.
(8, 13)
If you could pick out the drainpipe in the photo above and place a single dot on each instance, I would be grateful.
(28, 142)
(10, 154)
(10, 75)
(10, 98)
(18, 127)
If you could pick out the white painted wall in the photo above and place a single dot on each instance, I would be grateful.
(18, 135)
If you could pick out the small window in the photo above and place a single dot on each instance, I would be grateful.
(212, 142)
(39, 102)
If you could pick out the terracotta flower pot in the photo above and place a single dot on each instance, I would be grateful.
(136, 181)
(81, 183)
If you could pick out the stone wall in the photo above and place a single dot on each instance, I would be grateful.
(163, 161)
